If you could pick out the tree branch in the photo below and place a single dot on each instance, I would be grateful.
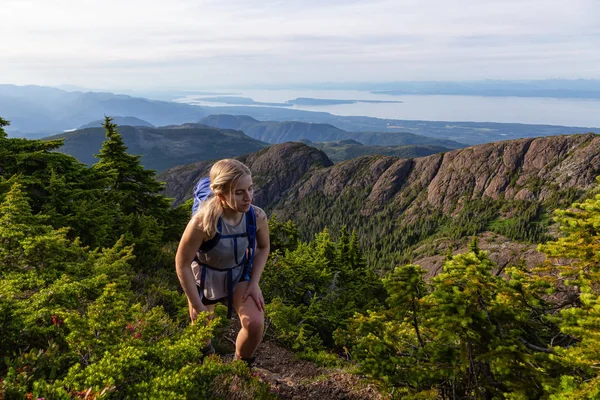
(534, 347)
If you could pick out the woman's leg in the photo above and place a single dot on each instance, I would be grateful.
(193, 314)
(252, 320)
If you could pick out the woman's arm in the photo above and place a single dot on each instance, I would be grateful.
(189, 244)
(263, 247)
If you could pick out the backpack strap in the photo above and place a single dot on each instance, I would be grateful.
(251, 230)
(246, 260)
(211, 243)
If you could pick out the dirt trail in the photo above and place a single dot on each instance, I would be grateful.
(297, 379)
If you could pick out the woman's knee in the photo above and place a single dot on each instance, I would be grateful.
(253, 322)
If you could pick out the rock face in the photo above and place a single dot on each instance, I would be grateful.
(487, 170)
(278, 168)
(500, 249)
(526, 169)
(275, 170)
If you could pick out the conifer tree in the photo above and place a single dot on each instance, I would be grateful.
(134, 188)
(353, 250)
(26, 240)
(474, 245)
(574, 261)
(343, 246)
(17, 223)
(146, 218)
(3, 123)
(283, 235)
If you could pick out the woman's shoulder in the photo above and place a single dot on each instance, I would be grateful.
(196, 225)
(260, 213)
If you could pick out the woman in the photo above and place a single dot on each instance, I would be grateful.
(224, 267)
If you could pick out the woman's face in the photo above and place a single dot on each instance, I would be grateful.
(241, 195)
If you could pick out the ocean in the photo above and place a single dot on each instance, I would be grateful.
(526, 110)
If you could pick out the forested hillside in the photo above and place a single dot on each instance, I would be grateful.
(90, 306)
(293, 131)
(164, 147)
(348, 149)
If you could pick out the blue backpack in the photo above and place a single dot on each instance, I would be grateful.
(202, 192)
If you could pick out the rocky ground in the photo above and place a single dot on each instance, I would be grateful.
(292, 378)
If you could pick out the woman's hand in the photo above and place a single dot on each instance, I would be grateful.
(253, 290)
(195, 311)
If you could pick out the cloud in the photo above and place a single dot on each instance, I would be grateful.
(205, 43)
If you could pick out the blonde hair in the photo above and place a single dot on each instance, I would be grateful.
(223, 176)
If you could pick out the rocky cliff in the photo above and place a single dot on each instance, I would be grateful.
(526, 169)
(276, 170)
(411, 209)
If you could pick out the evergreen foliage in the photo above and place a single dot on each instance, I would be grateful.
(3, 123)
(471, 334)
(391, 235)
(311, 289)
(574, 266)
(78, 318)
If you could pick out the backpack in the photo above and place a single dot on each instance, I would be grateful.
(202, 192)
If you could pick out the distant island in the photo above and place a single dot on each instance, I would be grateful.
(308, 101)
(559, 89)
(239, 101)
(549, 88)
(300, 101)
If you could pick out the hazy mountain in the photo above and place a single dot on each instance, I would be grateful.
(37, 111)
(578, 89)
(410, 209)
(163, 147)
(121, 121)
(466, 132)
(290, 131)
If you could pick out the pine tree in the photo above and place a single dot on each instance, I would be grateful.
(133, 188)
(26, 240)
(17, 223)
(343, 247)
(3, 123)
(146, 218)
(574, 262)
(474, 245)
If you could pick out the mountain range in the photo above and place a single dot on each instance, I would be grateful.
(291, 131)
(37, 111)
(118, 120)
(410, 209)
(169, 146)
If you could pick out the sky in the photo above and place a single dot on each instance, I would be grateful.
(196, 44)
